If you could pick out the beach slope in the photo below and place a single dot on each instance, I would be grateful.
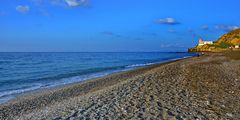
(205, 87)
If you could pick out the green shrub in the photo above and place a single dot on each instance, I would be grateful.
(238, 36)
(225, 45)
(215, 45)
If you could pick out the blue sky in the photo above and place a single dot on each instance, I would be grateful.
(107, 25)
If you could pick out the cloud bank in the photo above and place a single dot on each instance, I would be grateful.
(69, 3)
(205, 27)
(24, 9)
(76, 3)
(168, 21)
(227, 28)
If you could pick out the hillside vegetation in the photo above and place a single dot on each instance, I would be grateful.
(226, 42)
(231, 38)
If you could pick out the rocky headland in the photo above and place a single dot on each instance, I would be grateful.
(227, 42)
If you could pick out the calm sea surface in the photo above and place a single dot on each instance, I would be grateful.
(23, 72)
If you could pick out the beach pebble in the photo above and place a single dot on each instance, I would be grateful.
(167, 92)
(207, 102)
(229, 115)
(223, 106)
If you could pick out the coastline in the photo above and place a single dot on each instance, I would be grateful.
(60, 86)
(76, 71)
(60, 102)
(42, 92)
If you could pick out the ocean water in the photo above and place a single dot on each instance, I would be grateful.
(24, 72)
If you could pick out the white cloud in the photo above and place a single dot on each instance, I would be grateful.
(70, 3)
(205, 27)
(227, 28)
(23, 9)
(169, 21)
(76, 3)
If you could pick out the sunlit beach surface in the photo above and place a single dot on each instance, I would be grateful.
(205, 87)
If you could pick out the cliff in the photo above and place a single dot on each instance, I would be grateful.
(227, 42)
(232, 38)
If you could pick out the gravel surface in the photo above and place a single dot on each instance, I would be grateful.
(206, 87)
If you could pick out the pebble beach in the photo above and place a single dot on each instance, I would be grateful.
(196, 88)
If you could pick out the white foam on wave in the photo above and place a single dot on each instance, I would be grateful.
(5, 99)
(139, 65)
(7, 95)
(75, 79)
(174, 59)
(147, 64)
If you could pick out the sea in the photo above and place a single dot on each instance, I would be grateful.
(25, 72)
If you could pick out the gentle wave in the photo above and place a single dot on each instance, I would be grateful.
(140, 65)
(5, 62)
(63, 80)
(40, 73)
(70, 78)
(4, 96)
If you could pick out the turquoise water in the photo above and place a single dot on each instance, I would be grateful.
(23, 72)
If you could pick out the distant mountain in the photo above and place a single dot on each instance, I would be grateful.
(228, 42)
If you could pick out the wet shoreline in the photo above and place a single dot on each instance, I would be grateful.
(203, 87)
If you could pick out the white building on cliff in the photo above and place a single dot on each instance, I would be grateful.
(201, 42)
